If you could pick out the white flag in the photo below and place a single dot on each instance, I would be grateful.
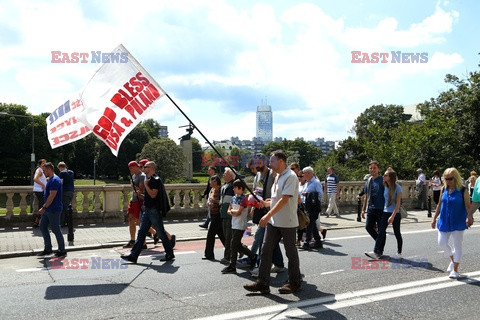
(63, 125)
(116, 98)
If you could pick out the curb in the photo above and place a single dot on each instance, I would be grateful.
(26, 253)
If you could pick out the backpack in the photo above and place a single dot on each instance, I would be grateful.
(163, 203)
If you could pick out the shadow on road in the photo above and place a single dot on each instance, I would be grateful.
(77, 291)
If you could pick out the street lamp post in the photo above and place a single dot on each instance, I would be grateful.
(32, 156)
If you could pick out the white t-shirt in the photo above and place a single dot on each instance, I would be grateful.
(240, 222)
(286, 183)
(38, 187)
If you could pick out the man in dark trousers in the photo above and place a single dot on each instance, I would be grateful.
(50, 212)
(68, 191)
(155, 204)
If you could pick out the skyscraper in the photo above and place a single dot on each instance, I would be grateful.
(264, 123)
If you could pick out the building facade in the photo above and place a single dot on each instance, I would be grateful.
(264, 123)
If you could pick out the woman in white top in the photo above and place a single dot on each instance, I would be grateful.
(436, 183)
(39, 183)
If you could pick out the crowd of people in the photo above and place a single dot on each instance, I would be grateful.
(281, 192)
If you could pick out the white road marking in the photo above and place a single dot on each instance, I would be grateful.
(31, 269)
(330, 272)
(403, 233)
(333, 302)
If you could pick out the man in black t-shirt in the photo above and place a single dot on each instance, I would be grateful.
(153, 215)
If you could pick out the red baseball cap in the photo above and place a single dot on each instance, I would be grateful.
(143, 162)
(133, 164)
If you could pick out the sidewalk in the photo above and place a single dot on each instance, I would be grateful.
(16, 242)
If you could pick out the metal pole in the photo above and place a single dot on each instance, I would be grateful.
(94, 171)
(208, 141)
(32, 161)
(429, 206)
(359, 209)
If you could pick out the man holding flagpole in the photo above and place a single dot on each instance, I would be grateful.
(153, 215)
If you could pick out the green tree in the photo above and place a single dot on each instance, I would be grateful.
(297, 151)
(168, 156)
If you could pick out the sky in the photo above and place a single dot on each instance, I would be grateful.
(220, 59)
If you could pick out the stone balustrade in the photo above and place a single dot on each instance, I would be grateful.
(104, 203)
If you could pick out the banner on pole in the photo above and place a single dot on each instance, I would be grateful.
(112, 103)
(63, 125)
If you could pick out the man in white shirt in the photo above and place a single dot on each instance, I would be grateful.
(281, 221)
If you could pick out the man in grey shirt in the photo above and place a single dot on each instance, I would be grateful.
(280, 221)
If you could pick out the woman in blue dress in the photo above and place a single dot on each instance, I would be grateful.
(452, 208)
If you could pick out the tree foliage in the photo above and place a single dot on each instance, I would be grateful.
(297, 151)
(168, 156)
(446, 137)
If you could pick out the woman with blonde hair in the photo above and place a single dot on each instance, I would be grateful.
(453, 207)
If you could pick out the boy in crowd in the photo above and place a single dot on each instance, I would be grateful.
(238, 209)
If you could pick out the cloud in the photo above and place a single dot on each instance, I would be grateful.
(219, 59)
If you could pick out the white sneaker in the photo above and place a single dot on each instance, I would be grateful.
(254, 272)
(450, 267)
(397, 256)
(373, 255)
(276, 269)
(454, 275)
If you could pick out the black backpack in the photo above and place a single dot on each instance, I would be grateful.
(163, 203)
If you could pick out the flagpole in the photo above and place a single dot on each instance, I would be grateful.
(208, 141)
(145, 72)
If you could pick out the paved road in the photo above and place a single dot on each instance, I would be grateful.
(16, 242)
(338, 283)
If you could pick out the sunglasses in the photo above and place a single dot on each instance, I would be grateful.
(449, 179)
(300, 176)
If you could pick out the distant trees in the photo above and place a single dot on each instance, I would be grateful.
(447, 136)
(168, 156)
(297, 151)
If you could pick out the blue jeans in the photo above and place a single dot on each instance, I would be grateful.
(257, 245)
(151, 217)
(52, 219)
(373, 218)
(382, 232)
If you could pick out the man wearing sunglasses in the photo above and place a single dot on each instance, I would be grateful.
(153, 215)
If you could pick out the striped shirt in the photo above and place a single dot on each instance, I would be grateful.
(331, 181)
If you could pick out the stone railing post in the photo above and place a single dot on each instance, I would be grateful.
(176, 199)
(74, 202)
(85, 201)
(23, 203)
(112, 200)
(9, 205)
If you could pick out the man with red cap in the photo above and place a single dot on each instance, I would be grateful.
(171, 237)
(134, 207)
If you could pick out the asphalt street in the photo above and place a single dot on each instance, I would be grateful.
(339, 283)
